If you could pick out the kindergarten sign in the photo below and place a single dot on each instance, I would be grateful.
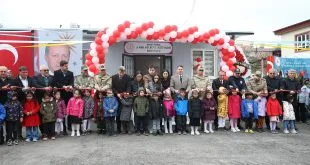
(299, 64)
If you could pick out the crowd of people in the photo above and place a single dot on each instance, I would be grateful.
(150, 103)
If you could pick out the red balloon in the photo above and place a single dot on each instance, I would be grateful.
(225, 51)
(116, 34)
(150, 24)
(149, 37)
(212, 32)
(185, 33)
(231, 54)
(98, 41)
(92, 68)
(200, 39)
(194, 42)
(172, 39)
(174, 28)
(99, 34)
(162, 32)
(229, 63)
(231, 42)
(126, 24)
(156, 36)
(112, 40)
(145, 26)
(179, 35)
(138, 30)
(214, 43)
(88, 62)
(232, 68)
(216, 31)
(191, 30)
(168, 29)
(102, 61)
(101, 55)
(99, 48)
(121, 28)
(225, 78)
(134, 35)
(225, 58)
(88, 56)
(221, 41)
(206, 36)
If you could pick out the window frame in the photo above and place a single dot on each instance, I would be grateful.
(301, 45)
(215, 61)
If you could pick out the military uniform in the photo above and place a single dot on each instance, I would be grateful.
(257, 86)
(201, 83)
(83, 82)
(102, 82)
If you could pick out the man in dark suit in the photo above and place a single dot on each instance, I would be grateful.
(22, 84)
(120, 83)
(63, 78)
(5, 83)
(43, 81)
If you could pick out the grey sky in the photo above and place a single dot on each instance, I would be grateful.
(259, 16)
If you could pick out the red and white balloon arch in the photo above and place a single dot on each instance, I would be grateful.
(109, 36)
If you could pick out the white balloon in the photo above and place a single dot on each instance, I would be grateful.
(91, 74)
(167, 37)
(127, 31)
(105, 38)
(106, 51)
(150, 31)
(216, 37)
(226, 38)
(221, 55)
(225, 68)
(109, 32)
(105, 45)
(173, 34)
(144, 35)
(229, 73)
(222, 63)
(156, 28)
(97, 65)
(210, 40)
(95, 60)
(234, 60)
(190, 38)
(231, 49)
(196, 34)
(123, 36)
(93, 52)
(183, 40)
(219, 47)
(93, 45)
(226, 45)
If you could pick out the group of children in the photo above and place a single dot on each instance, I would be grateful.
(149, 113)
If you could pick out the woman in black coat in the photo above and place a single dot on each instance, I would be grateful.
(137, 83)
(165, 80)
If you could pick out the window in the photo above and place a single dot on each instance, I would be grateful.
(302, 41)
(205, 59)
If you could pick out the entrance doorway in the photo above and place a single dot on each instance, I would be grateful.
(134, 63)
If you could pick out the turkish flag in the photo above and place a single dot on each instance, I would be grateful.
(14, 53)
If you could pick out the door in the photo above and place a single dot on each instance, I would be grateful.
(128, 63)
(142, 63)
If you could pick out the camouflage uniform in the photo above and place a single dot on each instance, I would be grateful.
(83, 82)
(102, 82)
(257, 86)
(201, 83)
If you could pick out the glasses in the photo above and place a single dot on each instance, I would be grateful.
(156, 78)
(46, 70)
(271, 73)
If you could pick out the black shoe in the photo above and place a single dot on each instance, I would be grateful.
(146, 134)
(21, 138)
(240, 127)
(9, 142)
(15, 142)
(278, 128)
(226, 129)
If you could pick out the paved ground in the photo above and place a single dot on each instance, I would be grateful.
(218, 148)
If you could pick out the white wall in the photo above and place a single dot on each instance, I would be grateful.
(181, 56)
(291, 37)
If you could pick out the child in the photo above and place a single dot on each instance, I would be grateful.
(14, 115)
(31, 117)
(61, 112)
(261, 101)
(75, 109)
(2, 118)
(141, 108)
(303, 102)
(249, 112)
(156, 113)
(209, 111)
(126, 109)
(169, 111)
(234, 105)
(89, 105)
(181, 107)
(222, 109)
(48, 112)
(289, 115)
(110, 106)
(99, 113)
(194, 112)
(273, 111)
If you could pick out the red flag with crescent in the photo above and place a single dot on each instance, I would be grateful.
(15, 51)
(270, 63)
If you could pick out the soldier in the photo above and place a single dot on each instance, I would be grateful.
(258, 85)
(201, 82)
(84, 80)
(102, 81)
